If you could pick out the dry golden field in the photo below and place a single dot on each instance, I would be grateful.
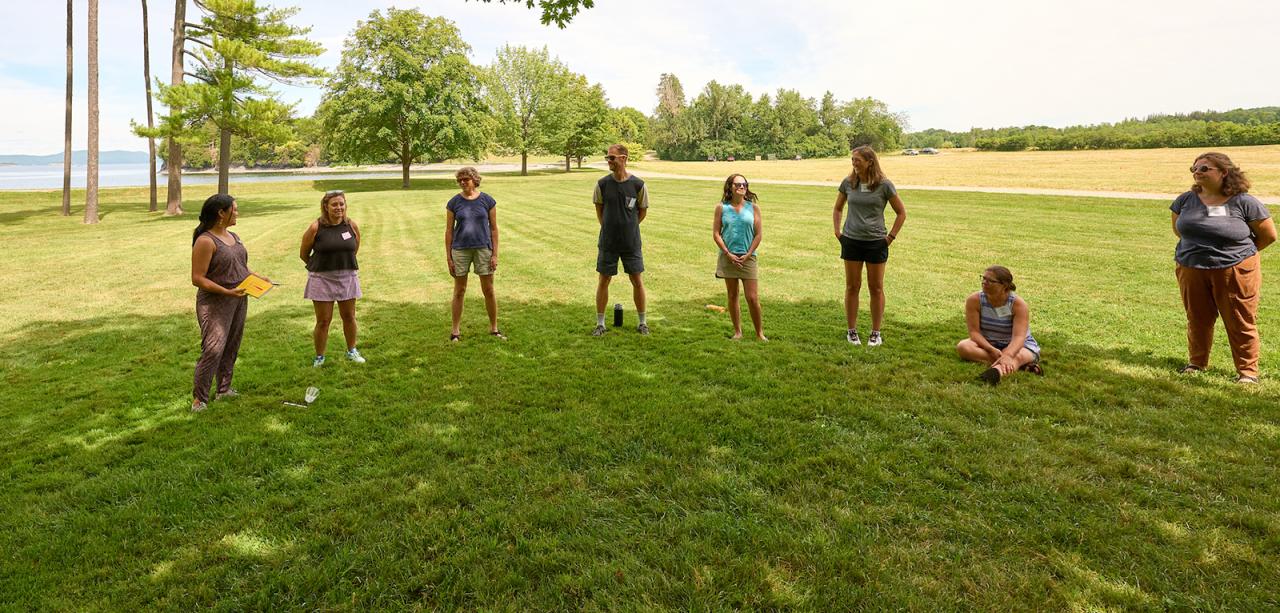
(1132, 170)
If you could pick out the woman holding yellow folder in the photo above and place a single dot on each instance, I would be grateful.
(219, 263)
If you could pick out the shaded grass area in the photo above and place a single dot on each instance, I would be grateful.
(678, 471)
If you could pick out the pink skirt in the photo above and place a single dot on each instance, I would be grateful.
(332, 286)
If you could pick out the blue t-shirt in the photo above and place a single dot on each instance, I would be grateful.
(471, 221)
(1216, 236)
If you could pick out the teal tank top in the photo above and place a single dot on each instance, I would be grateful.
(738, 229)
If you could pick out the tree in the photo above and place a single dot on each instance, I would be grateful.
(66, 133)
(585, 126)
(524, 90)
(173, 163)
(630, 126)
(91, 175)
(559, 12)
(244, 41)
(405, 90)
(146, 78)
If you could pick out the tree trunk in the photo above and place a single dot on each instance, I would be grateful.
(404, 169)
(146, 75)
(568, 159)
(66, 135)
(524, 163)
(224, 161)
(91, 178)
(173, 204)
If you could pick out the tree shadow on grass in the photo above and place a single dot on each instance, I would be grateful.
(682, 469)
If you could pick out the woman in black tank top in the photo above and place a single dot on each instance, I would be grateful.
(329, 249)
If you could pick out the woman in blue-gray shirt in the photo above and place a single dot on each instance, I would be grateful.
(1220, 230)
(471, 239)
(736, 228)
(863, 238)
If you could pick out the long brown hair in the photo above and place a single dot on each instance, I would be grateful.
(874, 174)
(728, 190)
(1233, 180)
(324, 207)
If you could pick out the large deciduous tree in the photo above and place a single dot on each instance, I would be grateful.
(584, 127)
(244, 41)
(66, 133)
(91, 172)
(405, 90)
(525, 89)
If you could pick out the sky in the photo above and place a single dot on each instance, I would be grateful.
(941, 63)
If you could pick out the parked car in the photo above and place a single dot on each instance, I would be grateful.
(929, 151)
(910, 152)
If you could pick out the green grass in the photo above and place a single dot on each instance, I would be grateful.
(680, 471)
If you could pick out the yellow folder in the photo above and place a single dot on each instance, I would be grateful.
(255, 286)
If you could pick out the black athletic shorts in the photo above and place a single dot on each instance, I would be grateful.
(871, 252)
(607, 262)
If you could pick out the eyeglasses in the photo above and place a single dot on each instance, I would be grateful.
(737, 184)
(987, 280)
(462, 179)
(1202, 168)
(612, 157)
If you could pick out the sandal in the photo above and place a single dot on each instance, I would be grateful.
(1034, 368)
(1190, 369)
(498, 334)
(453, 338)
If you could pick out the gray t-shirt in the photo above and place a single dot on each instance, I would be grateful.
(865, 220)
(1216, 236)
(621, 202)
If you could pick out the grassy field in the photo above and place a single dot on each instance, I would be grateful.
(1139, 170)
(679, 471)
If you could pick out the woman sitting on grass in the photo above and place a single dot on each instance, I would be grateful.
(329, 249)
(736, 229)
(471, 239)
(999, 332)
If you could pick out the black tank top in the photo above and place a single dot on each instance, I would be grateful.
(334, 249)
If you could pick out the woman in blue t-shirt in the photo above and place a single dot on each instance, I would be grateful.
(736, 229)
(863, 238)
(471, 239)
(1220, 230)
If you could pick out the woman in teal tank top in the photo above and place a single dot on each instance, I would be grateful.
(736, 228)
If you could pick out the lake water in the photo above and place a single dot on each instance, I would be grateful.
(135, 175)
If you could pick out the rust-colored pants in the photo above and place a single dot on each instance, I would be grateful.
(221, 328)
(1230, 292)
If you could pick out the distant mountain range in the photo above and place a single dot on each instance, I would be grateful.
(78, 158)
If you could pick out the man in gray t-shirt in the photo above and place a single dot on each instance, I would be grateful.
(621, 201)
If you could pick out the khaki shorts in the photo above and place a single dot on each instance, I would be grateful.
(726, 269)
(463, 258)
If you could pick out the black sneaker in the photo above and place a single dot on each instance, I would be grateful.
(643, 329)
(990, 376)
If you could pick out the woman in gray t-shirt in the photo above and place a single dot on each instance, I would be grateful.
(863, 239)
(1220, 230)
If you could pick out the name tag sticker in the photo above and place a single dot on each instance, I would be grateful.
(1217, 211)
(346, 236)
(862, 188)
(1004, 311)
(631, 202)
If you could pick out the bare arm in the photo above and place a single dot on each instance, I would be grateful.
(1175, 225)
(641, 214)
(715, 231)
(1021, 323)
(355, 230)
(900, 217)
(493, 236)
(1264, 232)
(837, 214)
(201, 254)
(600, 214)
(308, 242)
(759, 229)
(448, 240)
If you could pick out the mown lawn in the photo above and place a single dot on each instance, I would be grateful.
(1157, 171)
(681, 471)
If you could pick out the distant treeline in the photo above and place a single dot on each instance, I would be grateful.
(1258, 126)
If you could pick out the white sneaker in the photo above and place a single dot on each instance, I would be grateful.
(353, 354)
(852, 337)
(318, 362)
(875, 340)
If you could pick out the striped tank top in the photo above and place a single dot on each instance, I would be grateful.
(997, 327)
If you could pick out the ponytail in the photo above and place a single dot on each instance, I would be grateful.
(213, 205)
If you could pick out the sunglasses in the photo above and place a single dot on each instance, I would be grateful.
(1202, 168)
(612, 157)
(334, 192)
(739, 184)
(461, 179)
